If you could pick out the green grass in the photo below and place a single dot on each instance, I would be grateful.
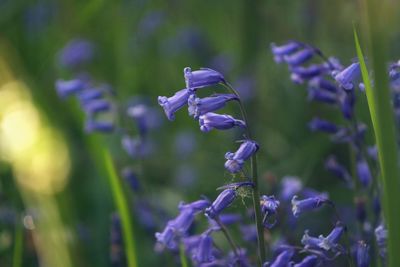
(121, 204)
(384, 128)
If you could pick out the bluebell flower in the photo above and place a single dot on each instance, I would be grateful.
(327, 243)
(290, 186)
(347, 77)
(137, 147)
(183, 221)
(308, 204)
(196, 206)
(236, 160)
(363, 258)
(347, 101)
(269, 205)
(212, 120)
(70, 87)
(363, 172)
(282, 260)
(310, 241)
(204, 250)
(96, 106)
(92, 125)
(321, 125)
(381, 235)
(76, 52)
(324, 84)
(309, 261)
(333, 166)
(202, 78)
(174, 103)
(310, 193)
(88, 95)
(130, 177)
(167, 238)
(300, 74)
(224, 200)
(331, 240)
(299, 57)
(283, 50)
(316, 94)
(199, 106)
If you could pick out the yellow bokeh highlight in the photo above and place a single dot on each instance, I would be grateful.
(38, 154)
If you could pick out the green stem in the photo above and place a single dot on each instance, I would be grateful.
(182, 256)
(383, 122)
(227, 236)
(256, 192)
(123, 210)
(18, 245)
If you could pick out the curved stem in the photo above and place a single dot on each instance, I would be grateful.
(256, 192)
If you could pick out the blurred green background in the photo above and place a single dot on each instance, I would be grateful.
(51, 176)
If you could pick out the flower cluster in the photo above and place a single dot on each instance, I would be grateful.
(336, 86)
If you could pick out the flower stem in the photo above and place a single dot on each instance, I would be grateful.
(256, 192)
(227, 236)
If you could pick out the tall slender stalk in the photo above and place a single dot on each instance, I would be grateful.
(383, 123)
(254, 177)
(123, 210)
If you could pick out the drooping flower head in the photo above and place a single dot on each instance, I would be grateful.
(212, 120)
(201, 78)
(236, 160)
(347, 77)
(69, 87)
(200, 106)
(174, 103)
(308, 204)
(225, 198)
(269, 206)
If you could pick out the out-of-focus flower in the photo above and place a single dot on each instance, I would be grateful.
(309, 261)
(363, 258)
(308, 204)
(347, 77)
(318, 124)
(70, 87)
(282, 260)
(76, 53)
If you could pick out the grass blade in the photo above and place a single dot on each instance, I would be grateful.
(384, 128)
(123, 210)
